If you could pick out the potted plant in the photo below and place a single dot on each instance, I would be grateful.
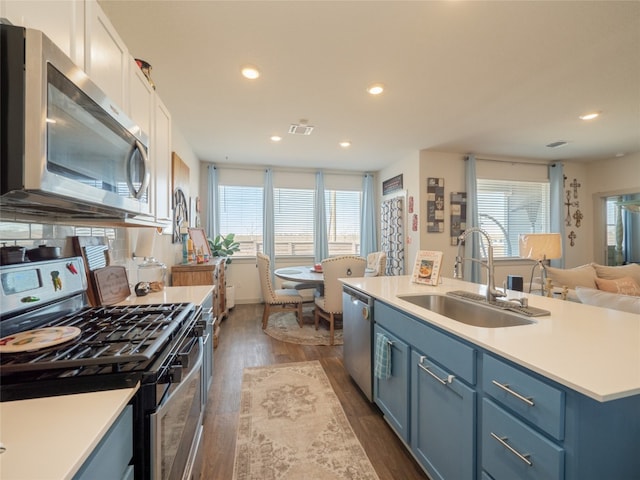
(225, 246)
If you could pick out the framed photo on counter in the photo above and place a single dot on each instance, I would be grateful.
(426, 269)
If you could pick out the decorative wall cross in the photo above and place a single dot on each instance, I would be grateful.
(572, 238)
(575, 186)
(570, 204)
(578, 216)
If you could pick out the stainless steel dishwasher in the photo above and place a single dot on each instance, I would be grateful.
(357, 325)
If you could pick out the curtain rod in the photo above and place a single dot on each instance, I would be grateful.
(287, 169)
(523, 162)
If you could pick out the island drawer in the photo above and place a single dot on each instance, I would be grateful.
(510, 449)
(454, 355)
(535, 401)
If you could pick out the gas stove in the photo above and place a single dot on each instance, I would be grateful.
(107, 346)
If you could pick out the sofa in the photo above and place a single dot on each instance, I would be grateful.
(616, 287)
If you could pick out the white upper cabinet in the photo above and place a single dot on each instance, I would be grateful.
(106, 55)
(161, 155)
(60, 20)
(141, 98)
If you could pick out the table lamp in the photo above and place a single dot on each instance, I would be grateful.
(540, 247)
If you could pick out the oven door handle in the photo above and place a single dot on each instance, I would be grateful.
(184, 381)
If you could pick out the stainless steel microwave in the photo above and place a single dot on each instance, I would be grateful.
(66, 150)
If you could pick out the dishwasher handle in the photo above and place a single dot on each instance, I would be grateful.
(358, 296)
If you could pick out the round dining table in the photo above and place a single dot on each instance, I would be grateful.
(299, 274)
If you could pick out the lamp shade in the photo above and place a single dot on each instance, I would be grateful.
(540, 246)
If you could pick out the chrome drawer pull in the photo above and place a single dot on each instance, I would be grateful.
(506, 388)
(503, 442)
(443, 381)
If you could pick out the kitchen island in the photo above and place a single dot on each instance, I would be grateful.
(554, 399)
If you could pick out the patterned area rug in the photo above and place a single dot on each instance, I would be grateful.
(293, 427)
(284, 326)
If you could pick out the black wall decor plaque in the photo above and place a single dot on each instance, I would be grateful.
(392, 184)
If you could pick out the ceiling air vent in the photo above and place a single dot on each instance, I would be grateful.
(300, 129)
(558, 144)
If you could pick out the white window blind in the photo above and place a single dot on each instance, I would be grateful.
(508, 208)
(343, 210)
(241, 213)
(293, 218)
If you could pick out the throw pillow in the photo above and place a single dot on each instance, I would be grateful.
(610, 273)
(584, 276)
(625, 303)
(625, 286)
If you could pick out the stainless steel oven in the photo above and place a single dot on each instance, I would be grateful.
(176, 425)
(53, 344)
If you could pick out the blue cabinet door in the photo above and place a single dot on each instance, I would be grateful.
(392, 394)
(443, 419)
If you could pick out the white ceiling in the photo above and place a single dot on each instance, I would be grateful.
(495, 78)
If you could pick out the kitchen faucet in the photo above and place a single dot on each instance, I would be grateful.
(458, 269)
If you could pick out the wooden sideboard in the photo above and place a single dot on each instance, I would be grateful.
(208, 273)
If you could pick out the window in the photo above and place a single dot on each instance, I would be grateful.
(293, 221)
(508, 208)
(241, 212)
(343, 210)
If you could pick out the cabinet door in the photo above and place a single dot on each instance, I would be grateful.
(392, 394)
(60, 20)
(443, 417)
(161, 159)
(141, 97)
(106, 55)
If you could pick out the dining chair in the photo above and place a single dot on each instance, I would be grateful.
(329, 305)
(376, 264)
(276, 300)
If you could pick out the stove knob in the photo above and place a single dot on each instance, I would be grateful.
(175, 373)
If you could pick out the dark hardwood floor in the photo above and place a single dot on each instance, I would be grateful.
(242, 343)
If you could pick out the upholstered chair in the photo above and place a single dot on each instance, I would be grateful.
(329, 306)
(276, 300)
(376, 264)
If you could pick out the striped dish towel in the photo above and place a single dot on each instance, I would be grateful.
(382, 363)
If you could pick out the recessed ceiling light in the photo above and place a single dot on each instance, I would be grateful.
(589, 116)
(376, 89)
(276, 138)
(250, 72)
(345, 144)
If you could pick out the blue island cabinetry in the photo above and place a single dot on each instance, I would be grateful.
(466, 413)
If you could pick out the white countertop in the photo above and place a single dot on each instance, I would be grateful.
(592, 350)
(51, 437)
(195, 294)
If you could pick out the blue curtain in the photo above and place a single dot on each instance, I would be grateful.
(472, 242)
(368, 237)
(268, 232)
(556, 214)
(320, 238)
(213, 216)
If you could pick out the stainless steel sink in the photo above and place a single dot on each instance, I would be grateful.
(468, 312)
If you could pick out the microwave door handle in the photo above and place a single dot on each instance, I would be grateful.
(147, 175)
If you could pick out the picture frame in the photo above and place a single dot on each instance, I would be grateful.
(392, 184)
(199, 239)
(426, 269)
